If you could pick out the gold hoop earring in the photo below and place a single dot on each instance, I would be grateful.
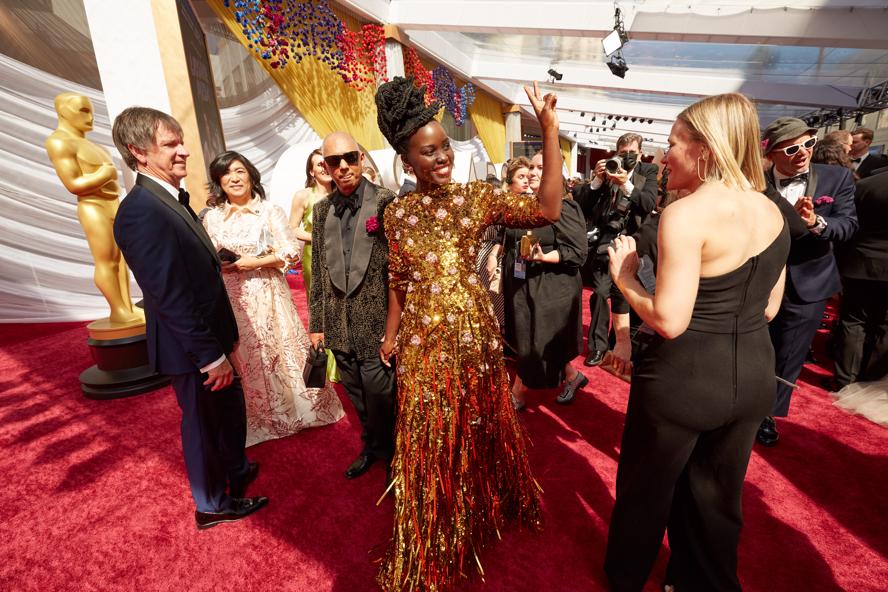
(699, 176)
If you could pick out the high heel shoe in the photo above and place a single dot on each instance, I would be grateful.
(571, 387)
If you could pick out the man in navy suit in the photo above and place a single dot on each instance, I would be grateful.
(191, 327)
(823, 196)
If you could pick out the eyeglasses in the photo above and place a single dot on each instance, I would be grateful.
(351, 159)
(790, 150)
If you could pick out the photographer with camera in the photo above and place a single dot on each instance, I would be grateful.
(617, 200)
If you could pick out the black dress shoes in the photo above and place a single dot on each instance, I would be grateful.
(240, 508)
(594, 358)
(767, 434)
(239, 489)
(359, 466)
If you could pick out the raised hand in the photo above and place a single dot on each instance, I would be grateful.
(805, 207)
(543, 106)
(622, 259)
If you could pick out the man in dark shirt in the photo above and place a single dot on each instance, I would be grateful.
(614, 202)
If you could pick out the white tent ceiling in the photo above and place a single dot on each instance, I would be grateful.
(790, 59)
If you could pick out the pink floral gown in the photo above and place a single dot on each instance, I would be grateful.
(273, 342)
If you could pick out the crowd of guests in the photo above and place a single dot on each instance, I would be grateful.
(726, 262)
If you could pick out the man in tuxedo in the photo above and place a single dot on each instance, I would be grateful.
(863, 264)
(865, 163)
(823, 196)
(191, 327)
(349, 296)
(615, 202)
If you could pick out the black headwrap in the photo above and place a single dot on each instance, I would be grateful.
(401, 110)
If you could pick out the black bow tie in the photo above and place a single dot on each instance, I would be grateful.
(185, 199)
(856, 159)
(341, 202)
(802, 178)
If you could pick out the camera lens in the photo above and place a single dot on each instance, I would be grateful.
(612, 165)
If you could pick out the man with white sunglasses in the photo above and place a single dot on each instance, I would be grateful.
(823, 196)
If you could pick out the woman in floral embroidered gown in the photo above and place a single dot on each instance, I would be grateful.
(273, 343)
(460, 469)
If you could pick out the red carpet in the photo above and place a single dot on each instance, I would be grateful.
(94, 494)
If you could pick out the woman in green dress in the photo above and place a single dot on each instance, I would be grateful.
(318, 185)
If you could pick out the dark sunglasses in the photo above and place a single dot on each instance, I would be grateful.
(790, 150)
(351, 159)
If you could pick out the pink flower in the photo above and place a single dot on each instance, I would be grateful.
(372, 225)
(823, 200)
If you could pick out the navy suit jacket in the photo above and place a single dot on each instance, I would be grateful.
(189, 319)
(811, 272)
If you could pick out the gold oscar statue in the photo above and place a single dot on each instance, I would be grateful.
(87, 171)
(118, 343)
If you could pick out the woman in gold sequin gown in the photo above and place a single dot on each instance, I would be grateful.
(460, 470)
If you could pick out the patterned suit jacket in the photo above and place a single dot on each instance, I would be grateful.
(349, 306)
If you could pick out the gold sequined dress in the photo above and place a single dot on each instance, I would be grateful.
(460, 468)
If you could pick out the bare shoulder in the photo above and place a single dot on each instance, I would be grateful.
(301, 197)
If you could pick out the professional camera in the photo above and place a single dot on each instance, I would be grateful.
(613, 164)
(610, 226)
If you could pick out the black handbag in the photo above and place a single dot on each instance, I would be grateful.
(315, 371)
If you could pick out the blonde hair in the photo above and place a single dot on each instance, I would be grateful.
(728, 125)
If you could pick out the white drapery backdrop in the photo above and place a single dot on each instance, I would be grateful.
(46, 270)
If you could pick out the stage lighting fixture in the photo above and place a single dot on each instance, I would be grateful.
(617, 64)
(651, 121)
(610, 116)
(582, 114)
(614, 126)
(617, 38)
(634, 119)
(593, 117)
(554, 74)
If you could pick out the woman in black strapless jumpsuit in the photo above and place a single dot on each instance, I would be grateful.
(695, 404)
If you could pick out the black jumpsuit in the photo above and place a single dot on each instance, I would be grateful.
(695, 404)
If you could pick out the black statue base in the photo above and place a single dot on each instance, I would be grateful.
(121, 369)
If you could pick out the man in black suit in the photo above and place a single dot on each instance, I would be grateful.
(615, 202)
(191, 327)
(863, 264)
(349, 295)
(863, 162)
(823, 196)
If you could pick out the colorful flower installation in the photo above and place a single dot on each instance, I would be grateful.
(440, 86)
(421, 77)
(283, 30)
